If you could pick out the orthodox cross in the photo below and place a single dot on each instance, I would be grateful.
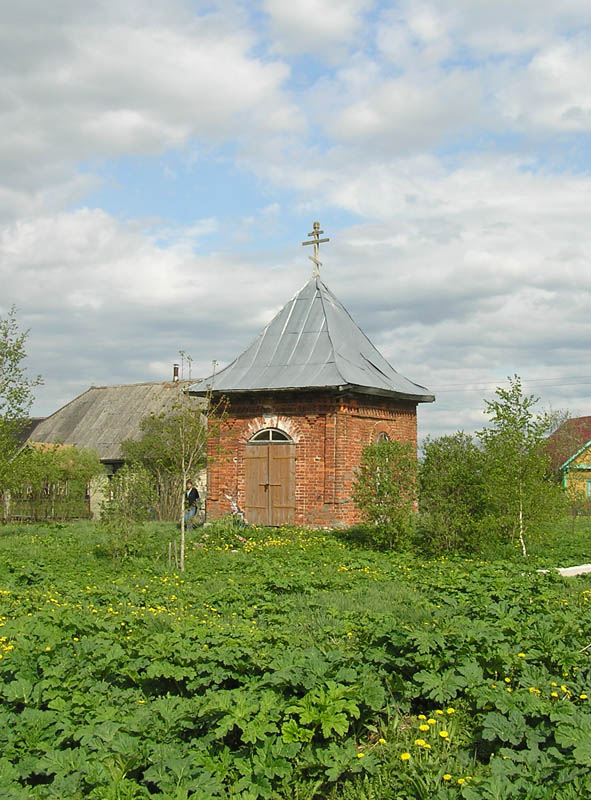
(316, 241)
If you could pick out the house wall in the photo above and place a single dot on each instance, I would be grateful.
(330, 432)
(99, 492)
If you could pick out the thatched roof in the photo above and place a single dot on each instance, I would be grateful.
(104, 416)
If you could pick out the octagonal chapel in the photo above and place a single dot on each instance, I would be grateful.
(303, 400)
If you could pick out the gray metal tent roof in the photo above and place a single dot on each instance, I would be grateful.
(313, 343)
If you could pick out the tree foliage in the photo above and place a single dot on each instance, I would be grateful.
(173, 449)
(124, 513)
(51, 481)
(16, 391)
(384, 491)
(521, 494)
(451, 492)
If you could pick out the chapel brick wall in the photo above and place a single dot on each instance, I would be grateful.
(330, 432)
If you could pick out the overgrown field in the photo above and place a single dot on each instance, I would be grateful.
(293, 665)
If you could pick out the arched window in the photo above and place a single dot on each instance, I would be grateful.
(268, 435)
(382, 437)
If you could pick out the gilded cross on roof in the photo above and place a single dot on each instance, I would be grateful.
(316, 241)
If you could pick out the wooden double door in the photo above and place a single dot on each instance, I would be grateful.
(270, 484)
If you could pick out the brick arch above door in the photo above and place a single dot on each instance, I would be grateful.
(283, 423)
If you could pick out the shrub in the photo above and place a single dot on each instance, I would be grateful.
(384, 491)
(451, 492)
(124, 514)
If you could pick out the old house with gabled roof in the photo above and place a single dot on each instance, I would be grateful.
(570, 454)
(103, 417)
(303, 400)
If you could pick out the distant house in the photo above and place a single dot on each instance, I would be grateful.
(570, 450)
(103, 417)
(576, 471)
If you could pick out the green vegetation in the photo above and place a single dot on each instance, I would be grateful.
(385, 491)
(15, 392)
(452, 493)
(51, 482)
(290, 664)
(171, 450)
(517, 472)
(124, 513)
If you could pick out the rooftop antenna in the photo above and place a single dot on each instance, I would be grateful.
(316, 241)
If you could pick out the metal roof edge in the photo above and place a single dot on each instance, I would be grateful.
(338, 388)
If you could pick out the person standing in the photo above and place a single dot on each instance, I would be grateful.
(192, 500)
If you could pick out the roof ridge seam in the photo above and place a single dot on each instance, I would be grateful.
(332, 345)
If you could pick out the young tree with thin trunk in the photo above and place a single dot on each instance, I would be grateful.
(173, 448)
(522, 496)
(16, 391)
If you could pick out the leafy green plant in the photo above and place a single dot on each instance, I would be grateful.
(297, 667)
(452, 497)
(384, 491)
(16, 395)
(125, 511)
(522, 496)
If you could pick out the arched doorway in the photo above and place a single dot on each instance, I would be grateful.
(270, 478)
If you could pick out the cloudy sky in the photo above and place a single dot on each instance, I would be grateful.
(161, 162)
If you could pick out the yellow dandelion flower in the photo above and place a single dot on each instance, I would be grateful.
(360, 755)
(451, 711)
(422, 716)
(423, 727)
(382, 741)
(461, 781)
(431, 722)
(507, 680)
(554, 694)
(420, 742)
(443, 734)
(521, 655)
(583, 696)
(447, 777)
(439, 711)
(404, 756)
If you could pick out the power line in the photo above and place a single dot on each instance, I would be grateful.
(584, 380)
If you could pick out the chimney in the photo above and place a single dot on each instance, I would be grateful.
(175, 372)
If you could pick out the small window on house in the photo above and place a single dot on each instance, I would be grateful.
(270, 435)
(383, 437)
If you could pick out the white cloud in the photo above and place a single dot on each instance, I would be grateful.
(120, 85)
(554, 93)
(407, 113)
(429, 124)
(317, 27)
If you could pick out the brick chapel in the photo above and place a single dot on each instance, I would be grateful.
(303, 400)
